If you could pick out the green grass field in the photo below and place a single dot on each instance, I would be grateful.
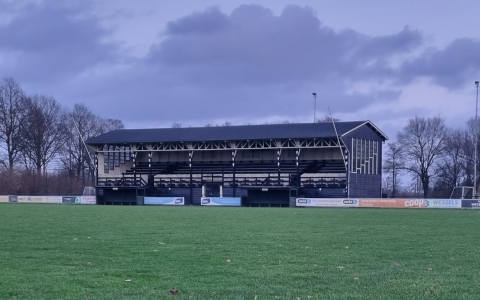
(88, 252)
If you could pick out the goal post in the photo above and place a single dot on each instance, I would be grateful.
(462, 192)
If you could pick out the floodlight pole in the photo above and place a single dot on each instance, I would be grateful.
(476, 137)
(314, 107)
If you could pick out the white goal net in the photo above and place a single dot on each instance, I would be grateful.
(462, 192)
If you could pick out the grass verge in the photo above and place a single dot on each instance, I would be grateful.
(88, 252)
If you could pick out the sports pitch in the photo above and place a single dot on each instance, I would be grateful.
(119, 252)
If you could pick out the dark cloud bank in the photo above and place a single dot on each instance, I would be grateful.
(210, 65)
(53, 40)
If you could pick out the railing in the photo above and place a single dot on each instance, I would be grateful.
(323, 182)
(122, 181)
(272, 180)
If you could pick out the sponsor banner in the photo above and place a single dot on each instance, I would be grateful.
(39, 199)
(471, 204)
(443, 203)
(29, 199)
(227, 201)
(326, 202)
(87, 200)
(52, 199)
(399, 203)
(71, 199)
(4, 199)
(13, 199)
(164, 200)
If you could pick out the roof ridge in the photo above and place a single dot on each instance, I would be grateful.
(232, 133)
(246, 125)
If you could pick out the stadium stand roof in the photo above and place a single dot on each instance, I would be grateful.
(237, 133)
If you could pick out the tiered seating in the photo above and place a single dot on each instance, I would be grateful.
(262, 173)
(157, 168)
(324, 182)
(121, 181)
(173, 182)
(242, 167)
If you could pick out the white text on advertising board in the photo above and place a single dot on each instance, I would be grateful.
(443, 203)
(327, 202)
(414, 203)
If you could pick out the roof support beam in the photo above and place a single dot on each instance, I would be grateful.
(233, 145)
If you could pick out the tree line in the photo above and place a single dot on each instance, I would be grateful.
(42, 145)
(325, 119)
(43, 150)
(437, 158)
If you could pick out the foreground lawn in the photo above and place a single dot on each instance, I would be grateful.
(88, 252)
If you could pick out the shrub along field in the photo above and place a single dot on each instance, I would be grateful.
(139, 252)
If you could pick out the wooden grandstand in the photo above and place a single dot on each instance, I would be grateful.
(266, 165)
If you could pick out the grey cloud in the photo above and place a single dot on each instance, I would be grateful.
(199, 23)
(144, 96)
(253, 58)
(385, 46)
(253, 12)
(453, 67)
(208, 65)
(52, 39)
(257, 47)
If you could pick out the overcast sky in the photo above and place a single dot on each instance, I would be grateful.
(152, 63)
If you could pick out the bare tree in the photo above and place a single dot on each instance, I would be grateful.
(285, 122)
(469, 152)
(43, 131)
(224, 124)
(423, 142)
(393, 165)
(452, 166)
(12, 112)
(83, 123)
(327, 119)
(74, 157)
(106, 125)
(35, 131)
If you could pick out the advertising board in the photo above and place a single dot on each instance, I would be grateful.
(88, 200)
(224, 201)
(70, 199)
(326, 202)
(475, 204)
(164, 200)
(443, 203)
(39, 199)
(398, 203)
(52, 199)
(4, 199)
(29, 199)
(12, 199)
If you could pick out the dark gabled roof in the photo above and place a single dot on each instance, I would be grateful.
(229, 133)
